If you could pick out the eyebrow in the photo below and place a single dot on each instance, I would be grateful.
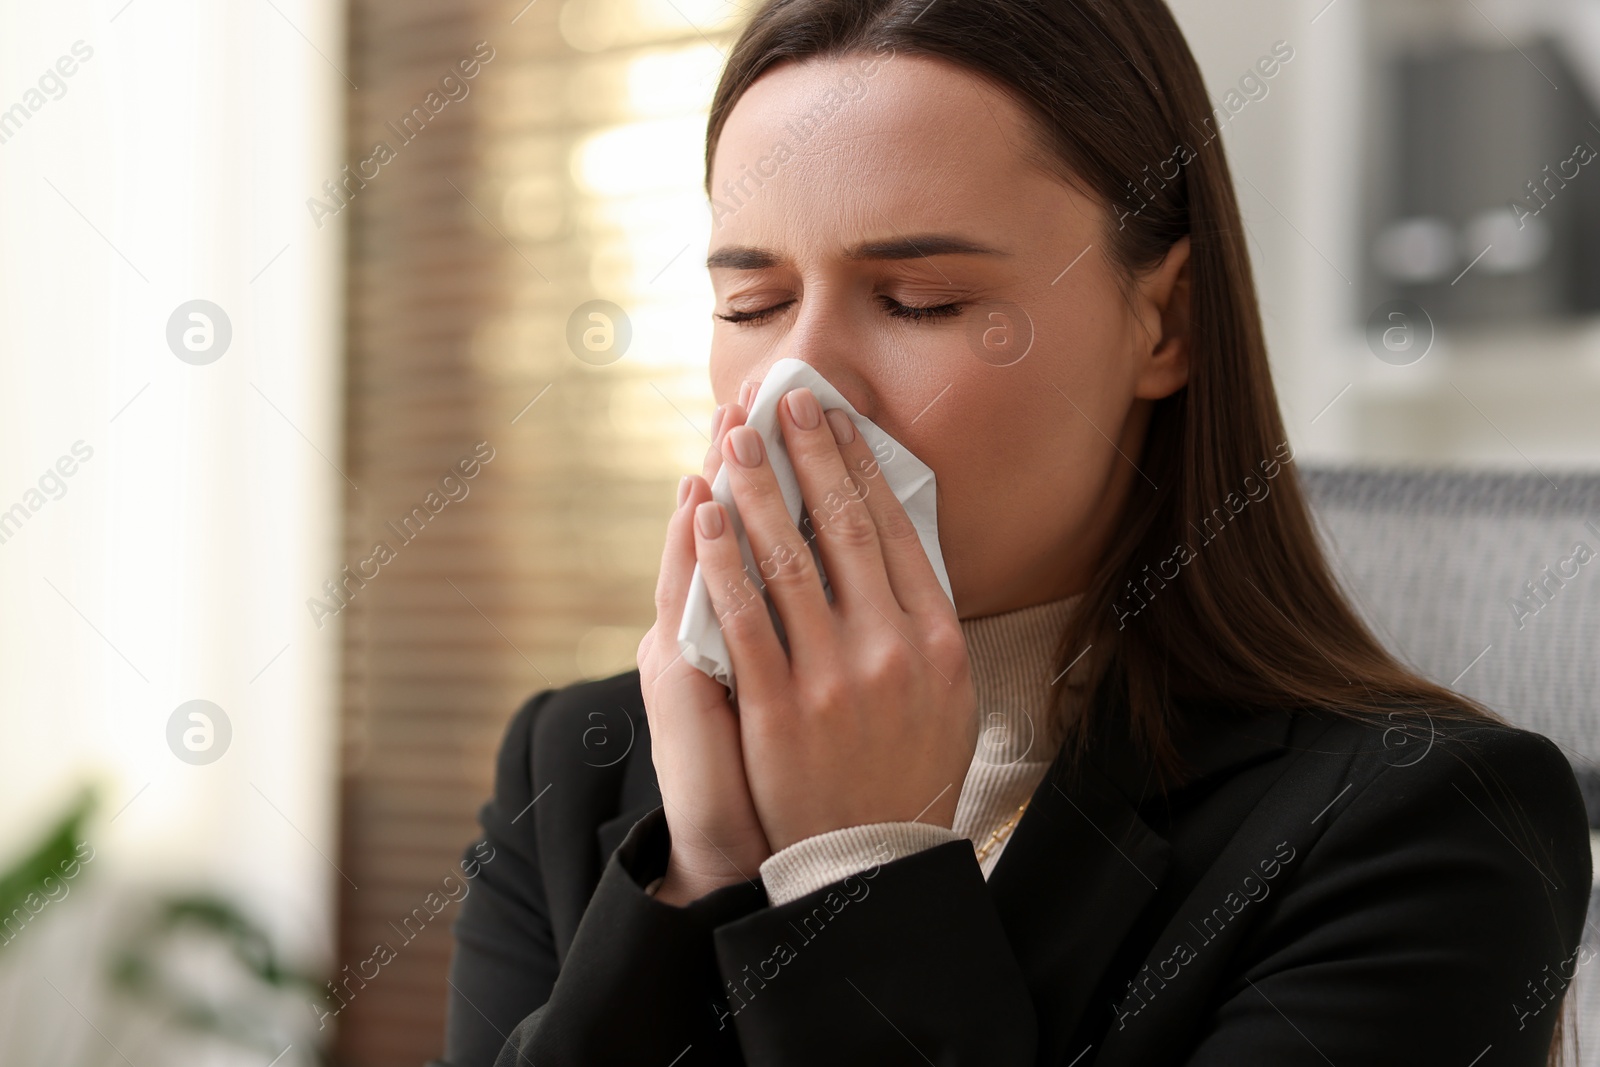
(921, 246)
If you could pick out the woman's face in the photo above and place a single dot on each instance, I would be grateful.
(849, 192)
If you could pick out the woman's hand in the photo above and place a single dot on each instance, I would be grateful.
(717, 839)
(871, 715)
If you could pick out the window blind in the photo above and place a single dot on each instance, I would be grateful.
(512, 464)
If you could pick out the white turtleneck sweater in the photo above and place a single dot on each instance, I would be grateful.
(1014, 668)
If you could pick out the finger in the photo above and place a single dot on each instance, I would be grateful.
(911, 575)
(846, 533)
(727, 416)
(677, 568)
(665, 663)
(713, 459)
(781, 555)
(758, 658)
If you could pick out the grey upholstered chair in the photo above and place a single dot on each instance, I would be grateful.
(1475, 579)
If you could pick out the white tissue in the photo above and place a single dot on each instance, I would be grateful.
(911, 481)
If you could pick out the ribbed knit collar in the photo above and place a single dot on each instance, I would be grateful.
(1013, 656)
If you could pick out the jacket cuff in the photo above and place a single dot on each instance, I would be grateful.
(638, 958)
(820, 860)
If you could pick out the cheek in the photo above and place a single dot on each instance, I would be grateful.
(979, 453)
(1083, 378)
(1016, 463)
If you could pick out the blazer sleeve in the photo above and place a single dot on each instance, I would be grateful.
(728, 980)
(632, 957)
(1438, 918)
(640, 981)
(905, 962)
(504, 962)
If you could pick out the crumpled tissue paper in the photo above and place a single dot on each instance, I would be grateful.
(911, 481)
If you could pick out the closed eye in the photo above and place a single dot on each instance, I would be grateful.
(918, 314)
(753, 318)
(891, 306)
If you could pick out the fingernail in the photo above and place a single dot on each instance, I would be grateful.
(844, 431)
(804, 408)
(746, 446)
(745, 389)
(716, 419)
(683, 489)
(708, 516)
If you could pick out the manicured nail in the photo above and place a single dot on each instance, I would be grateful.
(745, 389)
(844, 431)
(804, 408)
(708, 516)
(683, 489)
(746, 446)
(716, 419)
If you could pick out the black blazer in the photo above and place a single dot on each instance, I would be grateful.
(1316, 891)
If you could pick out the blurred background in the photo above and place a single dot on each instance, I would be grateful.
(305, 484)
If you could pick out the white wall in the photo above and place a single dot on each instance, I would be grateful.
(175, 566)
(1511, 399)
(1288, 152)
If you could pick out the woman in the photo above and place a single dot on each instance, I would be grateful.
(1208, 819)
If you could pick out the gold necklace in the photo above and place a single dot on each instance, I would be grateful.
(1000, 834)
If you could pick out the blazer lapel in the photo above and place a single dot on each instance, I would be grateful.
(1079, 868)
(1082, 863)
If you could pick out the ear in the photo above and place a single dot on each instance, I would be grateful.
(1164, 300)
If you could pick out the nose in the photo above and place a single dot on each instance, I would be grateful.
(828, 344)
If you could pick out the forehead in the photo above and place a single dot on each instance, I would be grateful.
(872, 142)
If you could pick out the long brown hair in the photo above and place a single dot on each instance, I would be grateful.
(1255, 619)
